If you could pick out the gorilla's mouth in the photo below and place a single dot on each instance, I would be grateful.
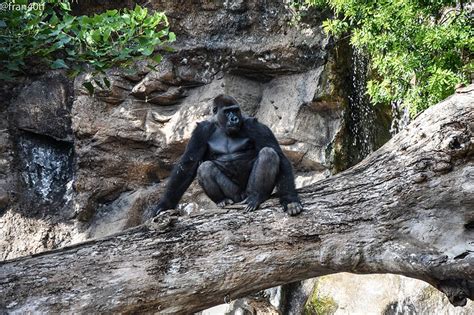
(233, 129)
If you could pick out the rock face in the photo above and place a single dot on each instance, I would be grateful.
(128, 137)
(36, 170)
(43, 107)
(346, 293)
(6, 157)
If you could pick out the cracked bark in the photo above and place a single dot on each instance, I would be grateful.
(407, 209)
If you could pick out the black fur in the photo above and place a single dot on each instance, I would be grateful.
(236, 159)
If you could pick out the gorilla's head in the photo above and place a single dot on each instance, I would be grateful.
(227, 113)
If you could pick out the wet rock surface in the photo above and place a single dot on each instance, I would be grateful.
(45, 171)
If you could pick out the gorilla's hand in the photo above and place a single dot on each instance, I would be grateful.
(293, 208)
(160, 207)
(151, 212)
(156, 210)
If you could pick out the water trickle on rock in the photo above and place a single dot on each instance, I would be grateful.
(361, 113)
(400, 118)
(46, 170)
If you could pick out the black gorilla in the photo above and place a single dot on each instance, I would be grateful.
(236, 159)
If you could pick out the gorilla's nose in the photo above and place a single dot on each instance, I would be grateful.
(234, 120)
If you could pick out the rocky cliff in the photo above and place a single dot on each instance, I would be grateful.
(89, 165)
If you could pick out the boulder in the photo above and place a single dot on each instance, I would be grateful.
(43, 107)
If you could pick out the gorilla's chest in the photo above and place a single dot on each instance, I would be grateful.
(221, 144)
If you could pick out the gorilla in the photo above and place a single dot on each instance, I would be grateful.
(236, 159)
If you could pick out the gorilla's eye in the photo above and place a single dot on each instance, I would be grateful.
(232, 111)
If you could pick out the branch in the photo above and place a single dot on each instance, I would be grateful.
(406, 209)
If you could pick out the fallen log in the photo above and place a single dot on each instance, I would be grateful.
(406, 209)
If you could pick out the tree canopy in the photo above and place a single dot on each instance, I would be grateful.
(419, 50)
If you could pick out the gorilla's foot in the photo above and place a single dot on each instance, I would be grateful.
(225, 202)
(251, 203)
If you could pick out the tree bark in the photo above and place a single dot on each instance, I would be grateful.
(406, 209)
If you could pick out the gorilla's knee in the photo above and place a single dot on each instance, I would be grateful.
(269, 155)
(205, 170)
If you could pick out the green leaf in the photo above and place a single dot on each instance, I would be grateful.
(171, 36)
(157, 58)
(89, 87)
(111, 13)
(106, 34)
(148, 51)
(96, 35)
(53, 20)
(65, 5)
(59, 64)
(106, 82)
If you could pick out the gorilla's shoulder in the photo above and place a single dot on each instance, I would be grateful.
(250, 118)
(251, 121)
(205, 126)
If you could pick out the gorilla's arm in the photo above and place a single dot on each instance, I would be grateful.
(264, 137)
(185, 170)
(286, 182)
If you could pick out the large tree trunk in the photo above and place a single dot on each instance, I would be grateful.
(407, 209)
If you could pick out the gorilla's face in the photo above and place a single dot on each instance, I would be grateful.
(230, 119)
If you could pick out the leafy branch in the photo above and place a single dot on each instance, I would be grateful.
(54, 38)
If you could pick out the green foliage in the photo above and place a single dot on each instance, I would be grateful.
(49, 35)
(419, 50)
(319, 305)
